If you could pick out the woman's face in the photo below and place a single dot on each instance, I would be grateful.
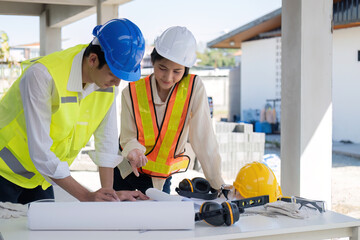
(167, 73)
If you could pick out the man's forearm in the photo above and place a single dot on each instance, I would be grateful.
(74, 188)
(106, 177)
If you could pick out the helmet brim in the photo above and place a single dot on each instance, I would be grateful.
(127, 76)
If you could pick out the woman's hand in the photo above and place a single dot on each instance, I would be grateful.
(136, 159)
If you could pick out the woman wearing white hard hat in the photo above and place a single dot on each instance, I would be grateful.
(160, 113)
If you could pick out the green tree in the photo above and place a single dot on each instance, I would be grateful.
(217, 57)
(5, 48)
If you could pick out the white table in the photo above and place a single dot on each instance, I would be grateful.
(328, 225)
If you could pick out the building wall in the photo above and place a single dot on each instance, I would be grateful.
(346, 84)
(217, 87)
(260, 73)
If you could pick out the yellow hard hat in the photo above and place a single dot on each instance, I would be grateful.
(257, 179)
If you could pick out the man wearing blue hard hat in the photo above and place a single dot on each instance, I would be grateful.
(51, 111)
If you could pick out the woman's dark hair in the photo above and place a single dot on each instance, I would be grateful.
(155, 56)
(97, 50)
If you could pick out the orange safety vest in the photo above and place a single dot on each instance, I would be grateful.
(161, 144)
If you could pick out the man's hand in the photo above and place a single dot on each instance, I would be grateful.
(70, 185)
(103, 195)
(136, 159)
(131, 195)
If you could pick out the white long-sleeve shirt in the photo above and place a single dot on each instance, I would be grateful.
(198, 129)
(39, 95)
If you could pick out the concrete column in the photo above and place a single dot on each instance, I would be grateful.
(50, 38)
(106, 12)
(306, 101)
(234, 100)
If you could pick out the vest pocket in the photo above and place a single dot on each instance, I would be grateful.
(61, 147)
(80, 136)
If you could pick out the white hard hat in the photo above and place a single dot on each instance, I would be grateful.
(177, 44)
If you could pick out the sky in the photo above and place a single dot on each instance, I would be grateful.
(206, 19)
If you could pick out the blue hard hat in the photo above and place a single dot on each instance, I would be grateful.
(123, 45)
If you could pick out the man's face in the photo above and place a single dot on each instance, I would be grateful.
(104, 78)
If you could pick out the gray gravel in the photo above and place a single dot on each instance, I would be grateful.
(345, 185)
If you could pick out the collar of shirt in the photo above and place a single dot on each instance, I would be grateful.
(75, 78)
(157, 99)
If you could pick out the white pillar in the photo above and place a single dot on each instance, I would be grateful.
(106, 12)
(50, 38)
(306, 101)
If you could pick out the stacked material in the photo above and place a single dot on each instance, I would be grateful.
(238, 145)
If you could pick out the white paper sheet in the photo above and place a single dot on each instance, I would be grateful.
(142, 215)
(157, 195)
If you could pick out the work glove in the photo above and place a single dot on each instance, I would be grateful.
(284, 208)
(12, 210)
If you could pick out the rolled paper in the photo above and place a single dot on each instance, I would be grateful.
(140, 215)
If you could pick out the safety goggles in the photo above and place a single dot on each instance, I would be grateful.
(304, 202)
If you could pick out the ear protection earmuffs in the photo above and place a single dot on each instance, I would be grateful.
(196, 188)
(199, 185)
(215, 214)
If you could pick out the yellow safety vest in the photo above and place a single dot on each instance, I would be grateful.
(161, 143)
(71, 125)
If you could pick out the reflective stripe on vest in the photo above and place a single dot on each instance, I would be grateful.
(144, 112)
(14, 164)
(161, 144)
(109, 89)
(68, 99)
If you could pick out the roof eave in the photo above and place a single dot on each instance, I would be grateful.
(234, 38)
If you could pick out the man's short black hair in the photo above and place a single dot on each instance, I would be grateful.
(155, 56)
(97, 50)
